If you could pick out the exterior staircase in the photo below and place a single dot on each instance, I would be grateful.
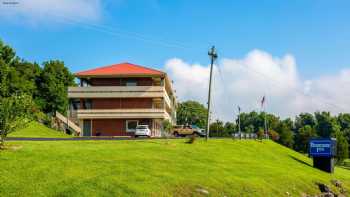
(68, 124)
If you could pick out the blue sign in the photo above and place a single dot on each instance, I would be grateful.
(322, 147)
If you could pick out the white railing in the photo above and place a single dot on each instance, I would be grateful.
(115, 91)
(121, 113)
(69, 123)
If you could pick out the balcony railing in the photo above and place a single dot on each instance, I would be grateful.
(122, 113)
(115, 91)
(120, 92)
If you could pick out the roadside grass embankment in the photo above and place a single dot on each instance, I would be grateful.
(37, 130)
(222, 167)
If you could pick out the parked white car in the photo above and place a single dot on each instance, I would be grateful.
(142, 130)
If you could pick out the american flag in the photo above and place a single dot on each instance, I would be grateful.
(263, 101)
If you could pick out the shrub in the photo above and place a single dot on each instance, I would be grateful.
(274, 135)
(192, 139)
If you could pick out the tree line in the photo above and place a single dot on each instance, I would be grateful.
(293, 133)
(46, 84)
(29, 90)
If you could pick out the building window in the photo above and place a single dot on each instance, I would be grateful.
(84, 83)
(131, 125)
(131, 82)
(87, 104)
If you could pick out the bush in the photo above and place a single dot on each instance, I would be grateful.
(192, 139)
(166, 128)
(274, 135)
(260, 134)
(16, 112)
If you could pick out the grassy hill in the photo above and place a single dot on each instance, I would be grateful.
(38, 130)
(223, 167)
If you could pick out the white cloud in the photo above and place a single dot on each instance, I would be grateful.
(38, 11)
(245, 81)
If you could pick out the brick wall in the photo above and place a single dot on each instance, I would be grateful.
(121, 103)
(109, 127)
(114, 127)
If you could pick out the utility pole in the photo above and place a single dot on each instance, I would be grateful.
(212, 54)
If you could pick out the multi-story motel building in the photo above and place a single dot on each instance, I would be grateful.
(113, 100)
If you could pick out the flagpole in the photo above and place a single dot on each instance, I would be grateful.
(265, 122)
(239, 122)
(266, 134)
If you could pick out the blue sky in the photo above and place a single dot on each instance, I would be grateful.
(316, 33)
(295, 52)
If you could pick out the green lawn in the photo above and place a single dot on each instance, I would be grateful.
(38, 130)
(158, 168)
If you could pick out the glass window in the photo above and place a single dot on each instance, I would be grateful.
(131, 82)
(74, 104)
(131, 125)
(84, 83)
(87, 104)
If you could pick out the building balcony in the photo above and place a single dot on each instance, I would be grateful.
(121, 92)
(122, 114)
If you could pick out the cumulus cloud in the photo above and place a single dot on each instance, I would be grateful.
(245, 81)
(38, 11)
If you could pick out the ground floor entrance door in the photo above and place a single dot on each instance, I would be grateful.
(87, 128)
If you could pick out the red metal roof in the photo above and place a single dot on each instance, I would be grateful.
(120, 69)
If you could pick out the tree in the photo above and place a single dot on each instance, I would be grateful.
(302, 138)
(304, 119)
(250, 122)
(274, 135)
(17, 76)
(260, 133)
(342, 147)
(250, 129)
(25, 77)
(272, 121)
(7, 54)
(15, 112)
(191, 112)
(344, 122)
(346, 133)
(217, 129)
(5, 80)
(230, 128)
(53, 84)
(326, 124)
(286, 136)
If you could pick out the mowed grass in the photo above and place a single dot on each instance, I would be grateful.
(224, 167)
(37, 130)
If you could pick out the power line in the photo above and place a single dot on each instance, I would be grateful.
(121, 33)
